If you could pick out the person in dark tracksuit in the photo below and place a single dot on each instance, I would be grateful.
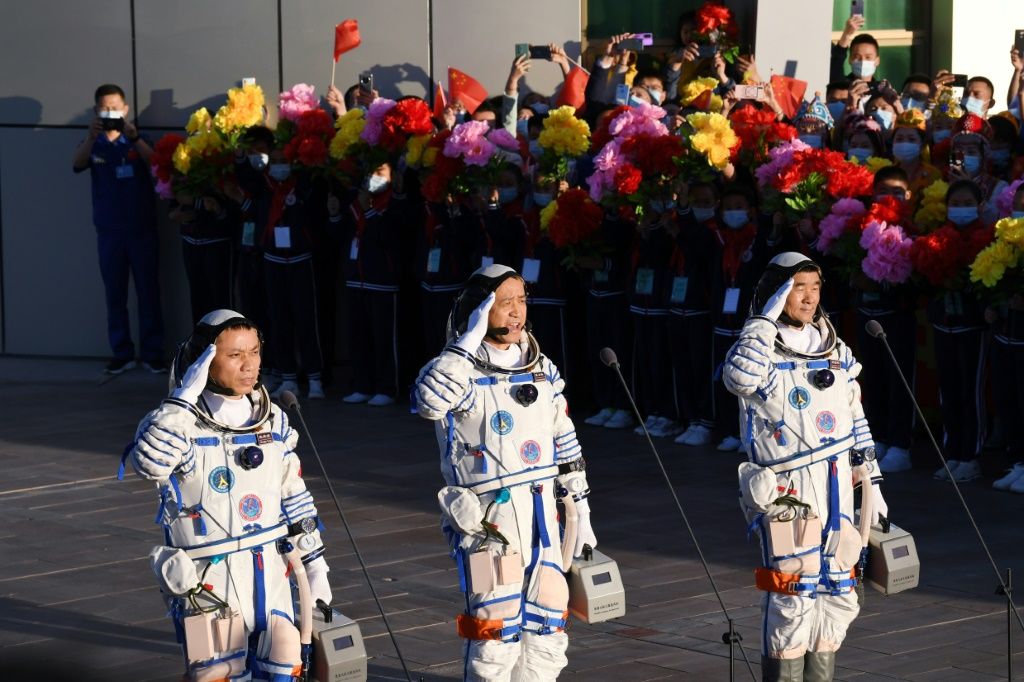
(372, 226)
(1007, 372)
(501, 219)
(444, 262)
(206, 251)
(123, 211)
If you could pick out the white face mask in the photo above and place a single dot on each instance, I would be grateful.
(542, 199)
(859, 153)
(974, 105)
(906, 151)
(259, 161)
(812, 141)
(863, 68)
(913, 103)
(636, 102)
(656, 95)
(376, 183)
(884, 117)
(735, 218)
(107, 113)
(962, 215)
(280, 171)
(703, 214)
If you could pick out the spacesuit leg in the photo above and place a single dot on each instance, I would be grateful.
(832, 618)
(492, 659)
(787, 625)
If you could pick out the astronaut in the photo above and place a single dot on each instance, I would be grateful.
(508, 449)
(807, 443)
(233, 507)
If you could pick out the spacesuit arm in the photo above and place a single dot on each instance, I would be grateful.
(748, 367)
(572, 474)
(446, 385)
(296, 501)
(163, 443)
(861, 430)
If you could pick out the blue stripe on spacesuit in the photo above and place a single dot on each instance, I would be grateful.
(460, 565)
(124, 458)
(808, 453)
(497, 600)
(538, 517)
(260, 606)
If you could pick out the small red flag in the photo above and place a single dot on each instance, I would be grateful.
(439, 102)
(464, 88)
(789, 93)
(573, 88)
(702, 102)
(346, 37)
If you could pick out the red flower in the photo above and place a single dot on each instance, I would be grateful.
(712, 16)
(943, 254)
(408, 117)
(576, 219)
(887, 209)
(315, 122)
(163, 155)
(312, 152)
(627, 179)
(654, 155)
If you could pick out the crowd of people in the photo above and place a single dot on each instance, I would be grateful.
(640, 210)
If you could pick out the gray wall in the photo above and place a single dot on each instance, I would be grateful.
(187, 53)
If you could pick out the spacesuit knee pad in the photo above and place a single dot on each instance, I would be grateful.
(543, 657)
(552, 590)
(284, 641)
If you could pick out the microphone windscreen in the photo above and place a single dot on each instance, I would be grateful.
(608, 357)
(288, 400)
(874, 329)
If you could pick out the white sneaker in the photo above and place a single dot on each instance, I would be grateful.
(699, 435)
(1017, 486)
(953, 465)
(881, 449)
(285, 386)
(381, 400)
(648, 423)
(355, 397)
(664, 427)
(601, 417)
(1007, 481)
(620, 420)
(316, 389)
(729, 443)
(967, 471)
(896, 459)
(681, 438)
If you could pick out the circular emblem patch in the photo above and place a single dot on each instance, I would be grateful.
(502, 422)
(530, 452)
(221, 479)
(825, 422)
(250, 507)
(799, 398)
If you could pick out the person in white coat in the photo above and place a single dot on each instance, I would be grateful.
(807, 443)
(236, 513)
(508, 449)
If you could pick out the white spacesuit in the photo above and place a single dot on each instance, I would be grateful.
(807, 442)
(508, 448)
(232, 504)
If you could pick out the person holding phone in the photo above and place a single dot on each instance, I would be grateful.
(123, 211)
(969, 160)
(861, 51)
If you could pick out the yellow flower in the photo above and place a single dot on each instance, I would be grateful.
(182, 158)
(564, 134)
(414, 148)
(547, 213)
(713, 137)
(349, 127)
(696, 87)
(1011, 230)
(993, 261)
(429, 157)
(244, 109)
(204, 143)
(877, 163)
(198, 121)
(932, 211)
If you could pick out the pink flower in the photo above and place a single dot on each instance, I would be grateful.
(781, 157)
(599, 183)
(1004, 202)
(163, 189)
(374, 116)
(830, 229)
(888, 253)
(294, 102)
(503, 139)
(609, 158)
(469, 141)
(637, 120)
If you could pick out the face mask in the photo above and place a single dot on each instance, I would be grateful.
(972, 163)
(1000, 157)
(912, 103)
(280, 171)
(376, 183)
(542, 199)
(507, 195)
(836, 109)
(259, 161)
(663, 205)
(540, 108)
(883, 117)
(112, 120)
(1017, 215)
(906, 151)
(655, 94)
(812, 141)
(962, 215)
(635, 102)
(703, 214)
(735, 218)
(974, 105)
(940, 135)
(522, 127)
(859, 153)
(863, 68)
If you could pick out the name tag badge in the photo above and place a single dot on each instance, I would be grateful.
(434, 260)
(249, 234)
(679, 285)
(124, 171)
(353, 250)
(644, 281)
(531, 270)
(282, 237)
(732, 301)
(601, 276)
(486, 261)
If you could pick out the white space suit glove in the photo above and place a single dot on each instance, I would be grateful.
(584, 531)
(160, 450)
(476, 328)
(194, 381)
(319, 586)
(774, 306)
(878, 505)
(462, 508)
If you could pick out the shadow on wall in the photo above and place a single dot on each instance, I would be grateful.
(161, 110)
(23, 110)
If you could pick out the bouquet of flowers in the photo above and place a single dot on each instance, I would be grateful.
(869, 241)
(202, 158)
(699, 93)
(715, 25)
(244, 109)
(297, 100)
(390, 124)
(563, 137)
(711, 143)
(931, 211)
(471, 156)
(161, 164)
(1001, 263)
(307, 146)
(572, 222)
(887, 257)
(941, 257)
(757, 132)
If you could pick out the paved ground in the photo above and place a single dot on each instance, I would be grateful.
(75, 586)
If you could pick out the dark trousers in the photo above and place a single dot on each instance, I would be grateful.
(209, 272)
(652, 366)
(608, 326)
(373, 342)
(325, 266)
(250, 296)
(727, 406)
(436, 306)
(549, 328)
(135, 253)
(960, 364)
(886, 404)
(692, 367)
(291, 301)
(1007, 372)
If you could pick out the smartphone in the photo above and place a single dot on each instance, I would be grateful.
(113, 124)
(621, 93)
(754, 92)
(540, 52)
(521, 49)
(631, 44)
(959, 80)
(248, 81)
(646, 39)
(366, 83)
(1018, 40)
(707, 51)
(857, 7)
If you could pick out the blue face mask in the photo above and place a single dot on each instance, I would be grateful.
(542, 199)
(972, 163)
(662, 205)
(703, 214)
(940, 135)
(962, 215)
(973, 105)
(656, 95)
(376, 183)
(859, 153)
(735, 218)
(906, 151)
(812, 141)
(280, 171)
(1000, 157)
(913, 103)
(635, 102)
(884, 118)
(507, 195)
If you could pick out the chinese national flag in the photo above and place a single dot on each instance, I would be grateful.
(439, 102)
(573, 88)
(464, 88)
(346, 37)
(702, 102)
(789, 93)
